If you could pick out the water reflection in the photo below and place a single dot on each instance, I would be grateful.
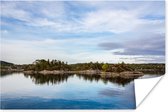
(111, 92)
(73, 91)
(48, 79)
(6, 73)
(59, 78)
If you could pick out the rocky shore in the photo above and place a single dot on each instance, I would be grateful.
(125, 74)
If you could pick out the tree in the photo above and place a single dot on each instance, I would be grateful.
(105, 67)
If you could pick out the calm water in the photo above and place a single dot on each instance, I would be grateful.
(20, 91)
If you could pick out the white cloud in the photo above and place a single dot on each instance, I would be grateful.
(59, 17)
(11, 10)
(42, 22)
(109, 20)
(54, 15)
(143, 59)
(22, 51)
(3, 32)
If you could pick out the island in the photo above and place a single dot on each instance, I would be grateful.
(104, 70)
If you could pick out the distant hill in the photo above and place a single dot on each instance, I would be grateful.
(4, 63)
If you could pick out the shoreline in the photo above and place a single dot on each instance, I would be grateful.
(125, 74)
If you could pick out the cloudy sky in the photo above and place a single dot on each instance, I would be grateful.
(133, 32)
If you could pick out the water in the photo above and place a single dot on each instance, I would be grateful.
(20, 91)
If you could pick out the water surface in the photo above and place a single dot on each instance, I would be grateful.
(20, 91)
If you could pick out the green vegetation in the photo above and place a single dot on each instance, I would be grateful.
(7, 65)
(86, 66)
(105, 67)
(3, 63)
(43, 64)
(149, 68)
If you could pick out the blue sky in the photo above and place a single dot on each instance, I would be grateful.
(133, 32)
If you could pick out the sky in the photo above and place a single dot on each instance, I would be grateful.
(83, 31)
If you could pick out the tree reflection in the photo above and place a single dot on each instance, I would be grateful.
(118, 80)
(7, 73)
(48, 79)
(60, 78)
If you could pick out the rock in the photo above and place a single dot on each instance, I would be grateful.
(109, 74)
(130, 74)
(45, 72)
(88, 72)
(29, 72)
(126, 74)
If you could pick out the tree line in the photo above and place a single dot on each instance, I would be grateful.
(42, 64)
